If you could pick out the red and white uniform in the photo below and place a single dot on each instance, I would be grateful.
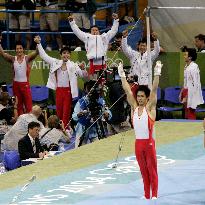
(21, 87)
(192, 90)
(96, 45)
(145, 151)
(64, 82)
(139, 62)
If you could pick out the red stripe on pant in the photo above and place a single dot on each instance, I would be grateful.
(23, 92)
(147, 160)
(189, 112)
(63, 103)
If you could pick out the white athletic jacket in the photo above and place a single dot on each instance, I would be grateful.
(139, 62)
(72, 68)
(193, 84)
(95, 45)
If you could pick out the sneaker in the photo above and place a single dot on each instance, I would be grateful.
(154, 198)
(143, 197)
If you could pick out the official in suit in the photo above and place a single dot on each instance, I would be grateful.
(29, 146)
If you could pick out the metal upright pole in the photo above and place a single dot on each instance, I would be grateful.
(7, 29)
(147, 12)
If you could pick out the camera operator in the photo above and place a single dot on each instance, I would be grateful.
(51, 136)
(116, 44)
(8, 108)
(88, 110)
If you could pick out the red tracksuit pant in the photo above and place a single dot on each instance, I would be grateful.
(23, 92)
(147, 160)
(63, 104)
(189, 112)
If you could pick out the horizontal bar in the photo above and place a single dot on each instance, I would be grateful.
(37, 33)
(167, 7)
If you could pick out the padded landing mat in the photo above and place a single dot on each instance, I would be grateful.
(181, 168)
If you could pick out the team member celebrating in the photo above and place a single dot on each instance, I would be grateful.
(139, 58)
(191, 94)
(21, 68)
(62, 78)
(96, 44)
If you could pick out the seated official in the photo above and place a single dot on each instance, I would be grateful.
(29, 146)
(51, 136)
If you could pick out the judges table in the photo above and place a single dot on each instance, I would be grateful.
(34, 160)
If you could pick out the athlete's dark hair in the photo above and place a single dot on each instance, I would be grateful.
(144, 89)
(65, 48)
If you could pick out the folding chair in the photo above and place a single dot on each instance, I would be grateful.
(171, 101)
(39, 95)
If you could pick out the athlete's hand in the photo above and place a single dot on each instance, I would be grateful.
(37, 39)
(121, 72)
(158, 68)
(125, 33)
(154, 35)
(70, 18)
(115, 16)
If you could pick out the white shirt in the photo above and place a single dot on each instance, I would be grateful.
(33, 143)
(95, 45)
(140, 124)
(20, 70)
(139, 62)
(62, 78)
(193, 84)
(53, 136)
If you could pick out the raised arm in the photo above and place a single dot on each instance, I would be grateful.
(130, 98)
(153, 95)
(6, 56)
(128, 51)
(32, 56)
(42, 52)
(80, 70)
(80, 34)
(155, 52)
(114, 29)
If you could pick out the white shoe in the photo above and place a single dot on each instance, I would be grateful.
(143, 197)
(154, 198)
(48, 48)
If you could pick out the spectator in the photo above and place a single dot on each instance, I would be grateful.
(20, 128)
(82, 19)
(19, 21)
(6, 112)
(191, 94)
(139, 59)
(51, 136)
(96, 45)
(200, 43)
(63, 79)
(88, 110)
(29, 146)
(21, 68)
(50, 22)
